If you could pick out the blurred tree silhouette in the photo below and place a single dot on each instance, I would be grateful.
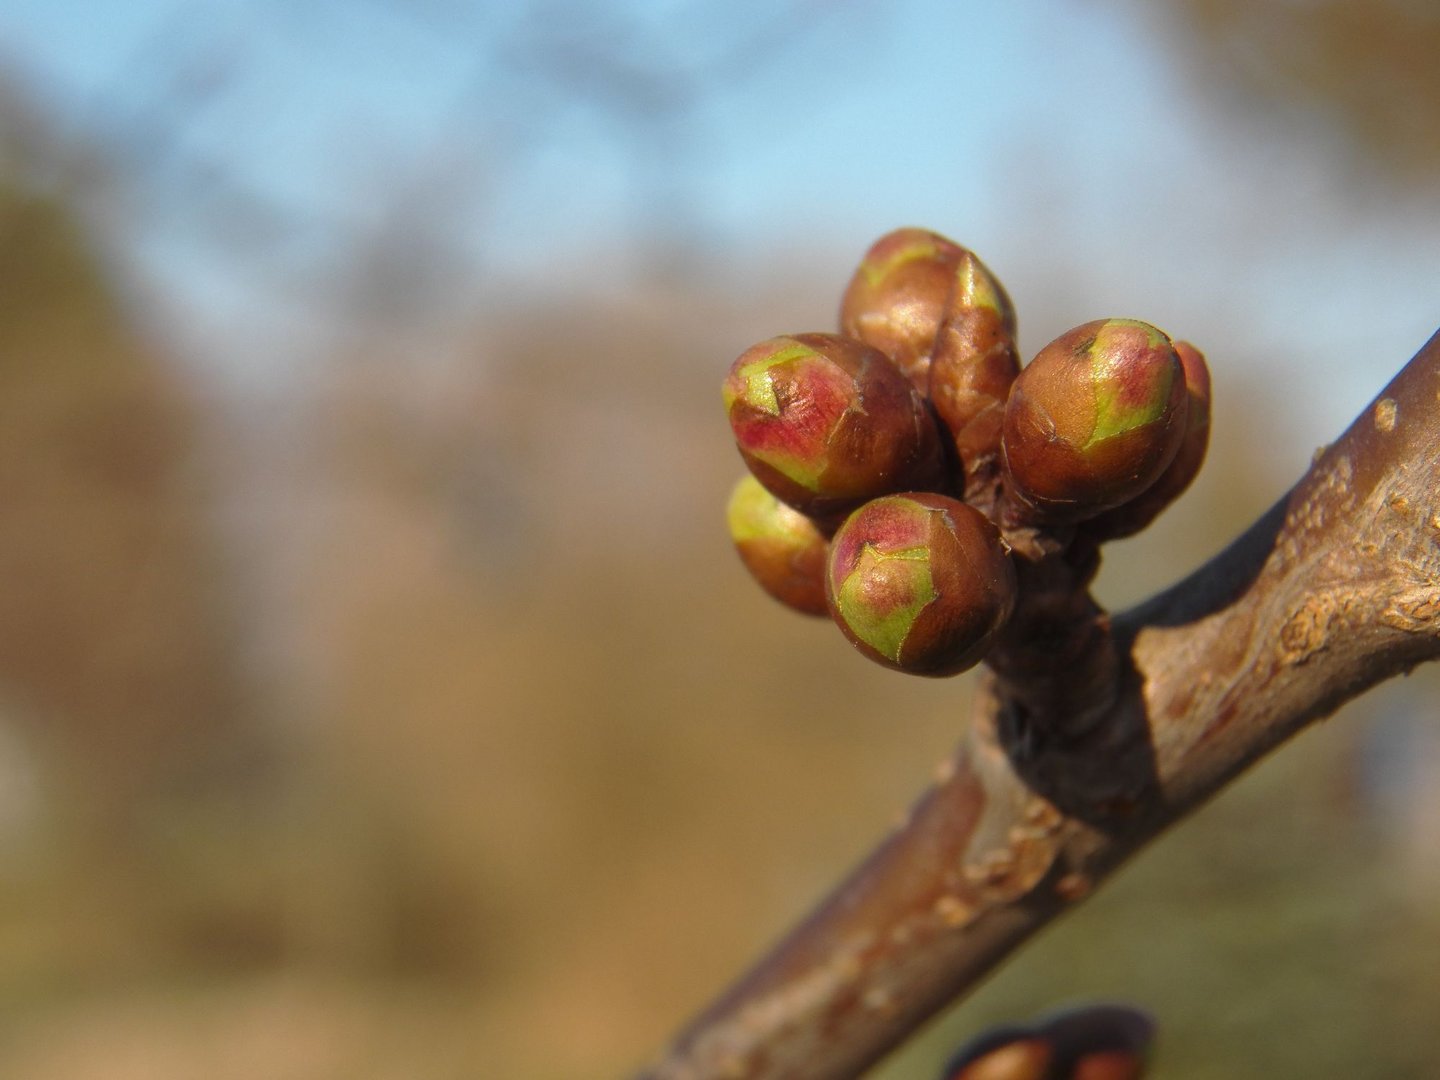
(114, 653)
(1369, 66)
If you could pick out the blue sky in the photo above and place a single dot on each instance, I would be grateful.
(1062, 139)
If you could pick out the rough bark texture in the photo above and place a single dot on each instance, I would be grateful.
(1336, 588)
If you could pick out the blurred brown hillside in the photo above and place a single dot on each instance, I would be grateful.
(437, 713)
(421, 723)
(115, 646)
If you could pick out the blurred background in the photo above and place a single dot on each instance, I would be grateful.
(379, 694)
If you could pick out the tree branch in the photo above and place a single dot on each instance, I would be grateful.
(1335, 589)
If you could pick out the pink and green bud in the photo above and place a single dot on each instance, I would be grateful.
(1131, 517)
(973, 366)
(826, 422)
(897, 299)
(1093, 420)
(920, 582)
(782, 548)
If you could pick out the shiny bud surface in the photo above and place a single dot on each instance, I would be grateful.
(974, 364)
(1100, 1042)
(1022, 1059)
(1109, 1065)
(897, 298)
(920, 582)
(826, 422)
(1094, 419)
(1131, 517)
(782, 548)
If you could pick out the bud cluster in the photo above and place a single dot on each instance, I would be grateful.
(899, 467)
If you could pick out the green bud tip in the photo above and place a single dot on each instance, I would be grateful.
(825, 422)
(896, 299)
(782, 548)
(976, 288)
(1131, 517)
(788, 433)
(901, 247)
(920, 582)
(1131, 376)
(1094, 419)
(972, 368)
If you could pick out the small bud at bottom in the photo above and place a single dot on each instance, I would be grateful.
(782, 548)
(1109, 1065)
(1023, 1059)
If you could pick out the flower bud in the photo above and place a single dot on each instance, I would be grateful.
(973, 365)
(826, 422)
(1131, 517)
(1108, 1065)
(920, 582)
(896, 300)
(1093, 420)
(1099, 1042)
(1023, 1058)
(782, 548)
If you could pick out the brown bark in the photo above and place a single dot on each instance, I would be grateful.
(1336, 588)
